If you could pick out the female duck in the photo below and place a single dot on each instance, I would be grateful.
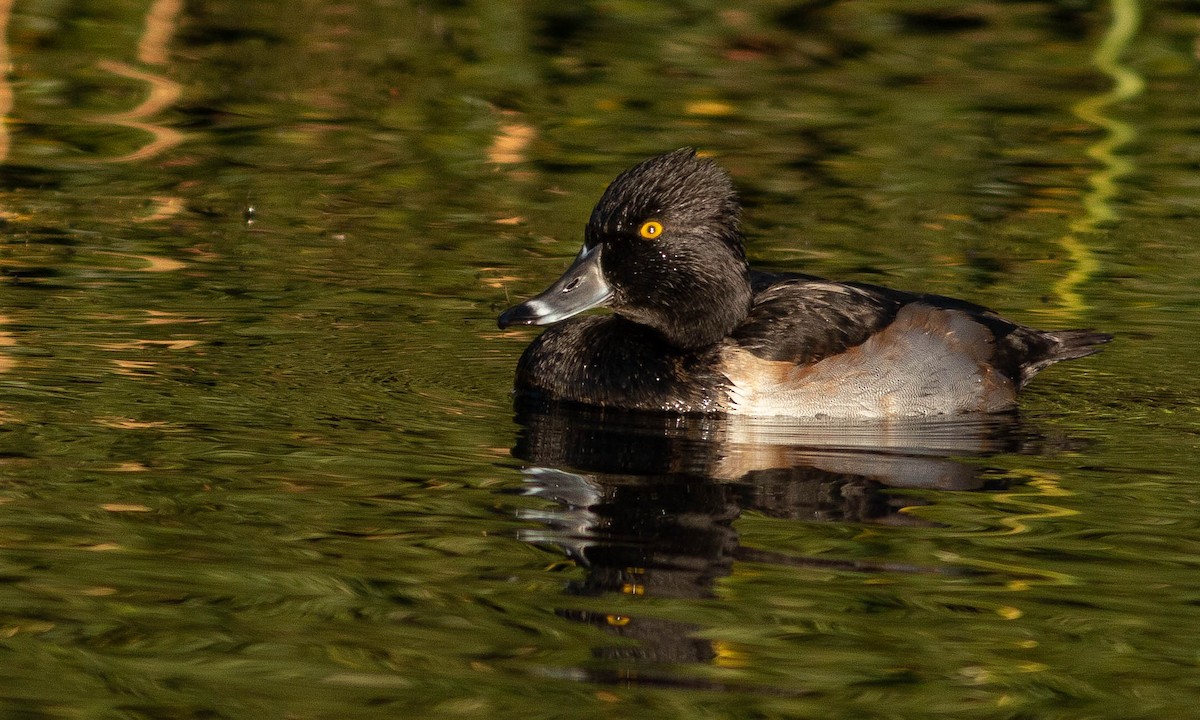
(696, 330)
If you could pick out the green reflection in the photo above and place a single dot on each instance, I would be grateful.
(255, 423)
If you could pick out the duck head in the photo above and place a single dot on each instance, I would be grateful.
(663, 248)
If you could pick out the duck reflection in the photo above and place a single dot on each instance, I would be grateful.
(646, 503)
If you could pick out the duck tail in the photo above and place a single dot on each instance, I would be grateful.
(1064, 345)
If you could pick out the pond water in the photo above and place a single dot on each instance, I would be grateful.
(260, 456)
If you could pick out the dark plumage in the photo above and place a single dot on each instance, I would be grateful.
(696, 330)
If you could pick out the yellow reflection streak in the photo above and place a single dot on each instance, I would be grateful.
(1030, 576)
(727, 655)
(1045, 485)
(1102, 184)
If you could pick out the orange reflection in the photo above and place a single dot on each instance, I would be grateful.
(7, 362)
(161, 20)
(510, 144)
(160, 26)
(140, 344)
(6, 93)
(154, 263)
(163, 93)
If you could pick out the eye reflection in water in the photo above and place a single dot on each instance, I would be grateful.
(645, 504)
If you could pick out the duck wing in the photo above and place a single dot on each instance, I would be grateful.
(805, 319)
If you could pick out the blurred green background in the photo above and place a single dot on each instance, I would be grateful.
(255, 419)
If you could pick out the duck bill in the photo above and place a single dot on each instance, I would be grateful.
(581, 287)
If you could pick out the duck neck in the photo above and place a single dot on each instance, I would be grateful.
(705, 314)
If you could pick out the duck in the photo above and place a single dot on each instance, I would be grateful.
(694, 329)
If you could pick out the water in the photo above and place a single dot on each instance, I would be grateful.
(260, 457)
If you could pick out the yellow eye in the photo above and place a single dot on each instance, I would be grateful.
(651, 229)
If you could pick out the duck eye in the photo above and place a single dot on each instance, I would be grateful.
(651, 229)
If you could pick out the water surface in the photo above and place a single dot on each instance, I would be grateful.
(260, 454)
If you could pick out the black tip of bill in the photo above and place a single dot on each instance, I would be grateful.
(580, 288)
(518, 315)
